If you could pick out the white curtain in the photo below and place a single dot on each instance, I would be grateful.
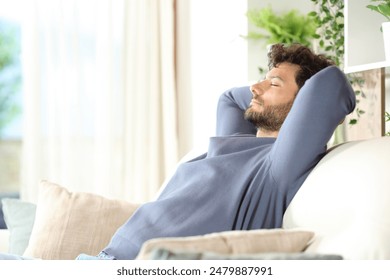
(99, 96)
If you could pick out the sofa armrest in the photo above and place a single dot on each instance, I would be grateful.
(4, 240)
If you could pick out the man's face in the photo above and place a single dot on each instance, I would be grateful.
(273, 97)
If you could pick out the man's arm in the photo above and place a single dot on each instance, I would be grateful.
(321, 104)
(230, 112)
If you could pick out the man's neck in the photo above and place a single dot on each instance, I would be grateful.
(266, 133)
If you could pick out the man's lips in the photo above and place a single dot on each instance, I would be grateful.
(254, 101)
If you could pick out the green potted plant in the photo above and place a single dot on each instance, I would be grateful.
(382, 7)
(290, 27)
(271, 28)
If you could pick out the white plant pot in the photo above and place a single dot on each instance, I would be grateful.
(386, 39)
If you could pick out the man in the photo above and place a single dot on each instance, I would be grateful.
(245, 182)
(269, 137)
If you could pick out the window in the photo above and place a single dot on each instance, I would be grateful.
(10, 80)
(10, 98)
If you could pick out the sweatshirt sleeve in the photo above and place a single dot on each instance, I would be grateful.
(321, 104)
(230, 112)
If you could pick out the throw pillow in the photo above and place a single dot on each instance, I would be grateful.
(2, 196)
(19, 217)
(70, 223)
(234, 242)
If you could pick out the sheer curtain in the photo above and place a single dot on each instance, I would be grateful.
(99, 96)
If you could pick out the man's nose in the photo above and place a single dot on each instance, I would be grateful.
(257, 89)
(253, 90)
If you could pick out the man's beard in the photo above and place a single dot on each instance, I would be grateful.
(271, 118)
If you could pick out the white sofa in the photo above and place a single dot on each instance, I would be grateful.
(345, 202)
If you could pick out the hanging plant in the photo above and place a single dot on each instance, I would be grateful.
(329, 17)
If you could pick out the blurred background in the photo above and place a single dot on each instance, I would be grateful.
(106, 96)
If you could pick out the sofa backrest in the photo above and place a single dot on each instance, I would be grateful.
(346, 201)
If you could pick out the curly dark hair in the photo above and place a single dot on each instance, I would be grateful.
(309, 62)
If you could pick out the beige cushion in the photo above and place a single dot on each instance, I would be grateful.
(70, 223)
(346, 201)
(234, 242)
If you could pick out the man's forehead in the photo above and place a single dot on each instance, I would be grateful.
(270, 76)
(275, 73)
(283, 71)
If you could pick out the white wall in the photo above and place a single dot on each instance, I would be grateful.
(218, 58)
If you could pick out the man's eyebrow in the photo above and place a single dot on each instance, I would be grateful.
(274, 77)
